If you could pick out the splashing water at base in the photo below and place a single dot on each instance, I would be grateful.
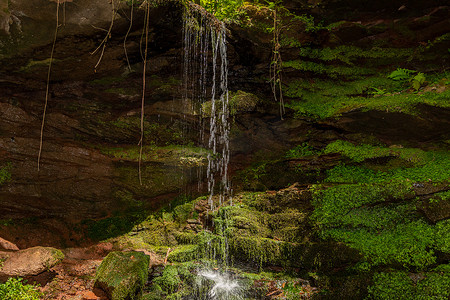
(224, 288)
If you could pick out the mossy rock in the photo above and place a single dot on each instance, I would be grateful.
(122, 275)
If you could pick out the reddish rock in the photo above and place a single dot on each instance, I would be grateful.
(89, 295)
(31, 261)
(7, 245)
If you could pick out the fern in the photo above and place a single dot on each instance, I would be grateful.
(401, 74)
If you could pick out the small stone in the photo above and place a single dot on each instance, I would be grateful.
(8, 245)
(193, 221)
(89, 295)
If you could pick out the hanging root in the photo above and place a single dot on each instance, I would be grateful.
(276, 65)
(126, 36)
(107, 37)
(48, 86)
(141, 142)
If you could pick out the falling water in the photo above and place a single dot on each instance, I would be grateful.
(206, 92)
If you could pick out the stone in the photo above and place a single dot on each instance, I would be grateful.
(31, 261)
(89, 295)
(8, 245)
(122, 275)
(193, 221)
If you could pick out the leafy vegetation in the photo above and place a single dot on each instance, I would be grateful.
(366, 207)
(224, 10)
(301, 151)
(17, 289)
(5, 173)
(398, 285)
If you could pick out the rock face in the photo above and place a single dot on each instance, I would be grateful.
(89, 168)
(122, 275)
(31, 261)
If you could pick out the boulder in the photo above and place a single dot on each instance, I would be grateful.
(31, 261)
(122, 275)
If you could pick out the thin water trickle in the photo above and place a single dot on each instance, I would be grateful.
(205, 81)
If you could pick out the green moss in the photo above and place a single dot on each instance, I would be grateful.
(171, 155)
(442, 196)
(329, 70)
(406, 245)
(401, 285)
(5, 173)
(432, 166)
(107, 80)
(184, 253)
(442, 231)
(170, 280)
(360, 211)
(123, 274)
(320, 106)
(331, 203)
(301, 151)
(359, 153)
(241, 102)
(349, 54)
(39, 63)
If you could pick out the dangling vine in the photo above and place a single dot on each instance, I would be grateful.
(107, 37)
(126, 35)
(141, 141)
(276, 64)
(48, 85)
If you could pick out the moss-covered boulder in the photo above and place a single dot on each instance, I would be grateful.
(122, 275)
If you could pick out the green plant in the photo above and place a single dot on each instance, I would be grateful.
(5, 173)
(224, 10)
(401, 74)
(301, 151)
(16, 289)
(416, 81)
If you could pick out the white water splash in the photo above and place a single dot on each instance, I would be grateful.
(225, 288)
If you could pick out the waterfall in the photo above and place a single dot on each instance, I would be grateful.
(206, 92)
(205, 71)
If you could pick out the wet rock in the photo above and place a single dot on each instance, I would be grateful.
(31, 261)
(122, 275)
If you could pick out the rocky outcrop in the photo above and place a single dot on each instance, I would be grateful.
(31, 261)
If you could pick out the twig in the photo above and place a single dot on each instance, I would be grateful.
(167, 256)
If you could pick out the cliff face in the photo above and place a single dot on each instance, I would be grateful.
(89, 159)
